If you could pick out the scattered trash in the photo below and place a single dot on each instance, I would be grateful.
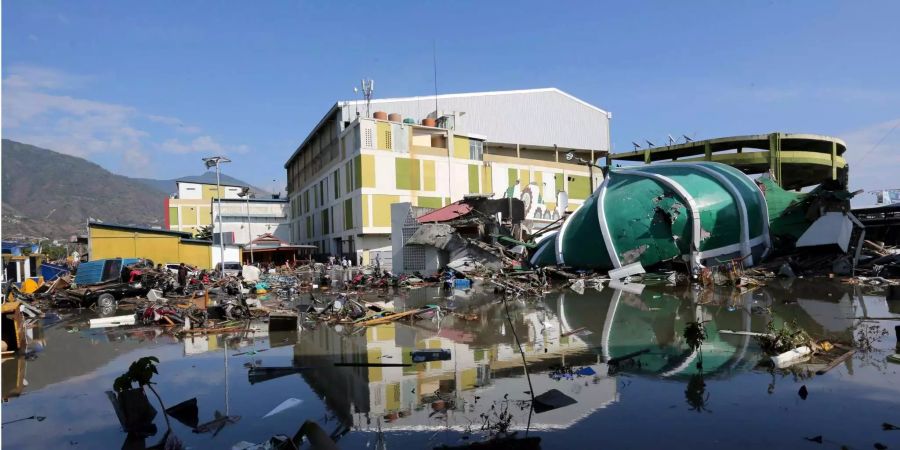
(37, 418)
(219, 422)
(186, 412)
(429, 355)
(282, 322)
(835, 362)
(790, 357)
(550, 400)
(283, 406)
(114, 321)
(626, 271)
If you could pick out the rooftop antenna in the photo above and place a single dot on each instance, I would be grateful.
(368, 87)
(434, 60)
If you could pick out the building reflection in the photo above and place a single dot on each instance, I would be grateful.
(451, 393)
(640, 333)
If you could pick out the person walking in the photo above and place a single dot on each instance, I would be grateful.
(182, 277)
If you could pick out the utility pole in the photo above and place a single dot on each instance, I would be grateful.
(245, 192)
(215, 161)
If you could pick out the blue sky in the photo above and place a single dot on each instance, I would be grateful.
(148, 88)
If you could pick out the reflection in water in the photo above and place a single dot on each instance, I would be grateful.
(696, 394)
(590, 347)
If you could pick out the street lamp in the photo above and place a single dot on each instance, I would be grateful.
(215, 161)
(590, 164)
(245, 193)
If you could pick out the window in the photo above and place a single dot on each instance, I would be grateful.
(337, 183)
(476, 149)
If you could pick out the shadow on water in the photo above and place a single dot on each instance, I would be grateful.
(361, 386)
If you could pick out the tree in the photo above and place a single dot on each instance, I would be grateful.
(695, 334)
(204, 233)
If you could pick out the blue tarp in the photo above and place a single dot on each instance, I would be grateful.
(51, 272)
(15, 248)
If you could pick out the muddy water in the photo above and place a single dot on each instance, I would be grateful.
(652, 396)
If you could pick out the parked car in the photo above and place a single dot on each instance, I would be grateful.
(232, 268)
(173, 267)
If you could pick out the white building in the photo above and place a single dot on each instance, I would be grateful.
(348, 171)
(188, 208)
(244, 220)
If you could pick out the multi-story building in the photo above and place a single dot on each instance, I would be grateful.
(430, 151)
(190, 208)
(244, 218)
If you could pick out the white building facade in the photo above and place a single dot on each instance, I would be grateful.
(344, 177)
(246, 219)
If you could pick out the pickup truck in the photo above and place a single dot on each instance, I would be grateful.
(105, 281)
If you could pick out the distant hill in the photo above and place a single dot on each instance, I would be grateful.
(50, 194)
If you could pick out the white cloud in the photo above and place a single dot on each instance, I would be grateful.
(201, 144)
(36, 113)
(175, 123)
(26, 76)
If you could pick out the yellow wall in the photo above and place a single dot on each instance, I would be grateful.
(368, 170)
(161, 248)
(381, 209)
(199, 255)
(487, 179)
(189, 215)
(205, 215)
(384, 136)
(461, 147)
(209, 191)
(429, 171)
(365, 210)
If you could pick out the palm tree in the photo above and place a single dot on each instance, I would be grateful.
(204, 233)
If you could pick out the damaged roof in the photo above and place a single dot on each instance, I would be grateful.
(450, 212)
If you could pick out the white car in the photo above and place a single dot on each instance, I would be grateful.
(232, 268)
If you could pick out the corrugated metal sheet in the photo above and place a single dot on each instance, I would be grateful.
(539, 117)
(92, 272)
(449, 212)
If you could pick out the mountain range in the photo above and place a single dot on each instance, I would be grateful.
(47, 194)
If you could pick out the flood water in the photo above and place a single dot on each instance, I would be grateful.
(656, 398)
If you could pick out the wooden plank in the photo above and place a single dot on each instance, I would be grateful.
(835, 362)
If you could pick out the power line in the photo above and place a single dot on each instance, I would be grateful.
(879, 142)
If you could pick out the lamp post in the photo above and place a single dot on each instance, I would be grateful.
(590, 164)
(215, 161)
(245, 192)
